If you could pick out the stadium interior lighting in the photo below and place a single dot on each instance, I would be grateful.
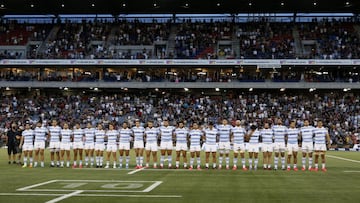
(217, 89)
(282, 89)
(218, 4)
(282, 3)
(312, 89)
(124, 5)
(250, 3)
(346, 89)
(157, 89)
(315, 3)
(92, 5)
(32, 5)
(96, 89)
(66, 88)
(251, 89)
(2, 5)
(7, 88)
(186, 89)
(126, 89)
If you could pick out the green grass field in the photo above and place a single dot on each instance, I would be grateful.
(339, 184)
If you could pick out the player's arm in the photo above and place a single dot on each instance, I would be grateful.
(328, 143)
(21, 142)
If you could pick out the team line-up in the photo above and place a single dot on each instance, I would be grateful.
(212, 139)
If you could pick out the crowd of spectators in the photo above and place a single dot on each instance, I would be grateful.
(199, 39)
(266, 40)
(334, 109)
(332, 39)
(335, 39)
(138, 33)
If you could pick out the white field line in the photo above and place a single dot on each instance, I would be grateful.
(135, 171)
(91, 195)
(65, 196)
(107, 181)
(344, 159)
(104, 169)
(351, 171)
(36, 185)
(29, 194)
(153, 186)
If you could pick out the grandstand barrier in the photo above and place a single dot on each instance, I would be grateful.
(236, 62)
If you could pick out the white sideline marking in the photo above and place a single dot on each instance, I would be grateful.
(148, 189)
(29, 194)
(135, 171)
(344, 159)
(104, 169)
(351, 171)
(91, 195)
(36, 185)
(64, 196)
(153, 186)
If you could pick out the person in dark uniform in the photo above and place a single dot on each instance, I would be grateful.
(11, 141)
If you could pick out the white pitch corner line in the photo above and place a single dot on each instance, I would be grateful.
(65, 196)
(36, 185)
(344, 159)
(153, 186)
(135, 171)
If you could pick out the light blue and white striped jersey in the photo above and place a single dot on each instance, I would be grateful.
(166, 133)
(267, 135)
(40, 134)
(54, 133)
(151, 135)
(78, 135)
(224, 132)
(89, 135)
(112, 136)
(279, 133)
(125, 135)
(239, 134)
(99, 136)
(195, 137)
(181, 135)
(307, 133)
(210, 136)
(293, 134)
(254, 138)
(66, 135)
(28, 136)
(320, 135)
(138, 133)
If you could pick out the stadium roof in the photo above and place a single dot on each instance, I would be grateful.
(16, 7)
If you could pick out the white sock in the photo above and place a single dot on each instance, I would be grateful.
(220, 160)
(323, 165)
(250, 162)
(86, 160)
(177, 164)
(137, 161)
(243, 162)
(92, 160)
(25, 160)
(316, 165)
(310, 162)
(282, 162)
(256, 162)
(198, 161)
(161, 160)
(191, 162)
(303, 161)
(141, 160)
(276, 161)
(235, 160)
(120, 159)
(227, 161)
(169, 160)
(127, 160)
